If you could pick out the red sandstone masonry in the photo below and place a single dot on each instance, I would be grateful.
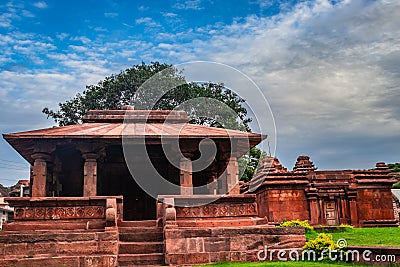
(207, 245)
(71, 261)
(357, 197)
(57, 249)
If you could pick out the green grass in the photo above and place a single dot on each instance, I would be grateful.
(282, 264)
(379, 236)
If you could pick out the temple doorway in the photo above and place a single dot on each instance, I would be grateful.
(115, 179)
(331, 213)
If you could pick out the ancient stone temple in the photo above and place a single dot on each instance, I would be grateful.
(95, 203)
(357, 197)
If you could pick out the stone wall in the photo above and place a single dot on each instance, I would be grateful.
(374, 205)
(279, 204)
(89, 249)
(208, 245)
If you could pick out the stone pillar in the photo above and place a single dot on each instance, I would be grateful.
(353, 212)
(232, 177)
(343, 212)
(213, 184)
(90, 174)
(352, 196)
(39, 173)
(223, 187)
(312, 195)
(186, 181)
(314, 211)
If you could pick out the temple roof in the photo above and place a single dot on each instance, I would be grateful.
(135, 123)
(115, 124)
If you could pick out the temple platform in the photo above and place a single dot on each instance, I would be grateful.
(90, 231)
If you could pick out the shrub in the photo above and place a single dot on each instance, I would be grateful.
(396, 185)
(346, 226)
(297, 223)
(323, 242)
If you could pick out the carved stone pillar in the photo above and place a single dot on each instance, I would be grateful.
(232, 177)
(353, 212)
(352, 195)
(90, 174)
(39, 173)
(213, 184)
(314, 211)
(223, 187)
(186, 181)
(312, 195)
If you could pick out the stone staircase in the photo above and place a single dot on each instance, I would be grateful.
(140, 244)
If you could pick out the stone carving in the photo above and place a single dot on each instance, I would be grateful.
(60, 213)
(217, 210)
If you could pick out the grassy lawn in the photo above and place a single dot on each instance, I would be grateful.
(379, 236)
(384, 236)
(282, 264)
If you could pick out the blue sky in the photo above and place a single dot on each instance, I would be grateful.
(330, 69)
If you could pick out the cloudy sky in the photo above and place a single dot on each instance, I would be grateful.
(329, 69)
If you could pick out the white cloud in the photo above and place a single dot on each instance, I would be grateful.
(143, 8)
(8, 16)
(78, 48)
(83, 39)
(188, 4)
(40, 4)
(165, 46)
(169, 14)
(27, 14)
(62, 36)
(147, 21)
(111, 15)
(100, 29)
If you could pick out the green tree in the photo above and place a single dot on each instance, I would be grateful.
(394, 167)
(122, 89)
(248, 163)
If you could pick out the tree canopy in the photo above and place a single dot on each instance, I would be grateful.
(215, 105)
(394, 167)
(118, 90)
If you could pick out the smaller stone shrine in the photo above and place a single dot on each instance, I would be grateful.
(358, 197)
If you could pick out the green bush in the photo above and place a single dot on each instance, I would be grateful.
(346, 226)
(323, 242)
(297, 223)
(396, 186)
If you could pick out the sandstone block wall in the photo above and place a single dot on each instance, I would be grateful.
(279, 204)
(208, 245)
(375, 204)
(98, 249)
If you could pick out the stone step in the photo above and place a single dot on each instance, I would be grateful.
(53, 225)
(140, 247)
(152, 259)
(144, 223)
(150, 236)
(139, 229)
(44, 260)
